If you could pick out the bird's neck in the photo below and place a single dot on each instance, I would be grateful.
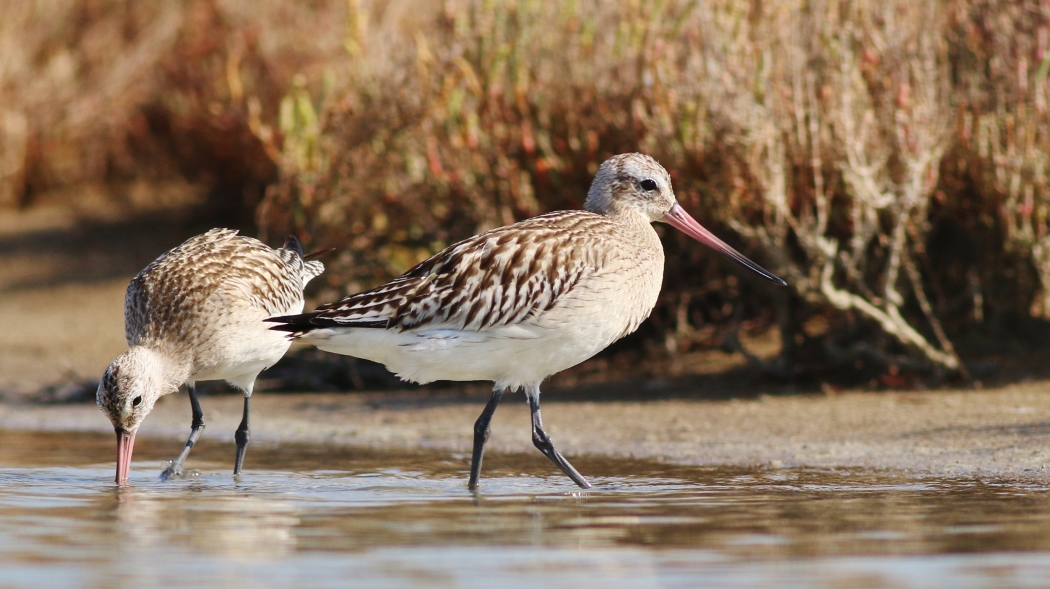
(632, 220)
(166, 368)
(624, 215)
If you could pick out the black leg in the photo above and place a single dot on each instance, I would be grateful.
(481, 435)
(196, 427)
(241, 437)
(545, 445)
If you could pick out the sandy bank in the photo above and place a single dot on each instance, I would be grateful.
(997, 432)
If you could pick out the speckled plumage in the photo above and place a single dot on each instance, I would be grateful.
(196, 313)
(511, 275)
(519, 303)
(186, 300)
(522, 301)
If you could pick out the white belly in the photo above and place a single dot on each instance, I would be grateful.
(511, 356)
(240, 346)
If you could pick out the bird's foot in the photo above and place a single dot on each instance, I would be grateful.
(174, 470)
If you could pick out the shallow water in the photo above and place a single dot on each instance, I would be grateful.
(307, 516)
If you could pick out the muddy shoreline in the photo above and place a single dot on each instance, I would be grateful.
(1000, 433)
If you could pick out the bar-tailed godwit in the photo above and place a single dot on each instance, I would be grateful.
(196, 313)
(519, 303)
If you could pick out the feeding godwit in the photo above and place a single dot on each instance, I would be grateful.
(519, 303)
(196, 313)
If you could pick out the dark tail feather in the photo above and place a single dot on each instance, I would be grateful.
(296, 324)
(292, 243)
(319, 253)
(307, 322)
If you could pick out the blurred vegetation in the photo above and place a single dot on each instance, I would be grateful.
(133, 95)
(887, 158)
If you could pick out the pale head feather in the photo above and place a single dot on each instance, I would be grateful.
(133, 383)
(631, 182)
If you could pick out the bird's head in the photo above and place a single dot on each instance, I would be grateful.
(631, 182)
(637, 183)
(127, 392)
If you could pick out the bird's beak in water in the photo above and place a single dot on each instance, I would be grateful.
(125, 445)
(679, 219)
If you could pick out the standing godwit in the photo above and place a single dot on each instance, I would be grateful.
(519, 303)
(196, 313)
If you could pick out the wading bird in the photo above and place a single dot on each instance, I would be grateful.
(519, 303)
(196, 313)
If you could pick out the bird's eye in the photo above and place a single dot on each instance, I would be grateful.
(136, 401)
(648, 185)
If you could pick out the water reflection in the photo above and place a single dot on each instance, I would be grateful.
(310, 516)
(240, 527)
